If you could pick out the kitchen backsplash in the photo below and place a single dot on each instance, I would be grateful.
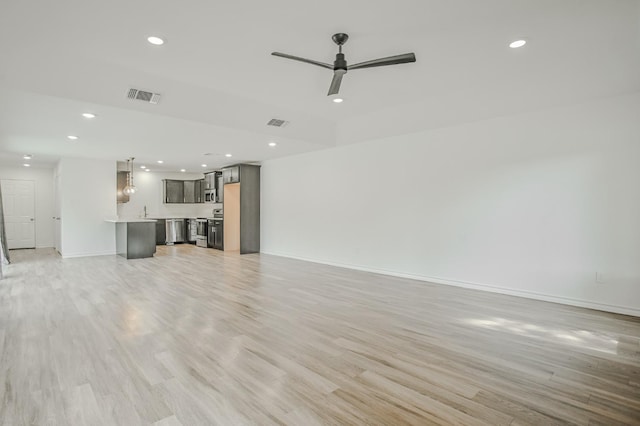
(149, 193)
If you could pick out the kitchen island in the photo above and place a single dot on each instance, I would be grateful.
(135, 238)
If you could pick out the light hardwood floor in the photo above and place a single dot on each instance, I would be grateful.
(200, 337)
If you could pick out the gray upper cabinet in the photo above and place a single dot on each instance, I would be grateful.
(183, 191)
(231, 174)
(210, 181)
(173, 191)
(199, 190)
(189, 191)
(219, 188)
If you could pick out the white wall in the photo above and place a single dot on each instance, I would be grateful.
(87, 196)
(149, 193)
(532, 205)
(43, 180)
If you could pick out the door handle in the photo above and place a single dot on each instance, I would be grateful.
(31, 219)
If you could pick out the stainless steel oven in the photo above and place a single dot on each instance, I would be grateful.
(201, 232)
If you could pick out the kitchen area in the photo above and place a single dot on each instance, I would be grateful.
(218, 209)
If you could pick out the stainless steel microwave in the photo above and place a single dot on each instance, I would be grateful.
(209, 195)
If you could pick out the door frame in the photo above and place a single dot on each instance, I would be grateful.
(35, 204)
(57, 213)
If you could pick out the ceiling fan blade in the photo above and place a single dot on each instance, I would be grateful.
(308, 61)
(390, 60)
(335, 82)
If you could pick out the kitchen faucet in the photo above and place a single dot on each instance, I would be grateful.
(145, 211)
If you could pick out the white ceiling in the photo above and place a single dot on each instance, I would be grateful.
(220, 85)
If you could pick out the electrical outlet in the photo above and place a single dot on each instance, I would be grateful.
(600, 279)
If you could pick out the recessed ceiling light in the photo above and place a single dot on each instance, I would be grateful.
(73, 138)
(160, 161)
(204, 165)
(272, 144)
(183, 170)
(227, 155)
(143, 167)
(338, 100)
(155, 40)
(27, 165)
(88, 115)
(28, 157)
(147, 170)
(517, 43)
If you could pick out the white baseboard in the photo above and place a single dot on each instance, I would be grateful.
(74, 255)
(625, 310)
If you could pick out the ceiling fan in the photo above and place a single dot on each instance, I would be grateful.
(340, 66)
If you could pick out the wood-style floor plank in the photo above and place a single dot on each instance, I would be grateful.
(202, 337)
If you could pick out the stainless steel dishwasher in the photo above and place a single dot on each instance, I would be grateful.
(175, 231)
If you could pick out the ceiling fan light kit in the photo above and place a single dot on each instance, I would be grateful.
(340, 66)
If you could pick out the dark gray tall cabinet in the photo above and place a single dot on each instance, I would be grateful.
(248, 176)
(249, 209)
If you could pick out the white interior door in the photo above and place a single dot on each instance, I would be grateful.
(18, 200)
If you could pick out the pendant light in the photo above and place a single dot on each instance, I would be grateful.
(130, 188)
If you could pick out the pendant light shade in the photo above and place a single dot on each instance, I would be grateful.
(130, 188)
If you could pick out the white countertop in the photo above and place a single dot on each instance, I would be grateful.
(129, 220)
(182, 217)
(171, 217)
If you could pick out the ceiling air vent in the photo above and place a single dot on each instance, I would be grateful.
(141, 95)
(277, 123)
